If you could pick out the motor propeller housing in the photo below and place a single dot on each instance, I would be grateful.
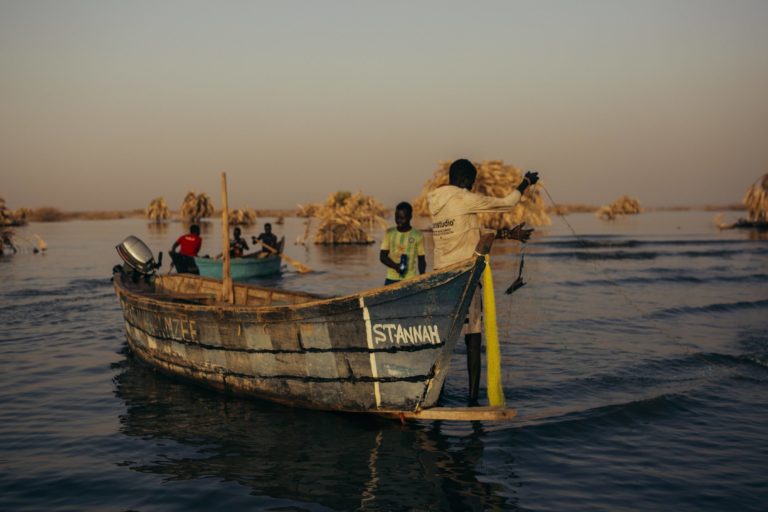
(138, 256)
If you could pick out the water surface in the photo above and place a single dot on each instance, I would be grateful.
(636, 354)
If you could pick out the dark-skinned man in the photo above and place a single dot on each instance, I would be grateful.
(456, 231)
(403, 247)
(188, 245)
(266, 238)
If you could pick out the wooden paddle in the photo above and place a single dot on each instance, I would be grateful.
(298, 266)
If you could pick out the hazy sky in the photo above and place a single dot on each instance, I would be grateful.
(108, 104)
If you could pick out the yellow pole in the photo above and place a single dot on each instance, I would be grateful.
(492, 350)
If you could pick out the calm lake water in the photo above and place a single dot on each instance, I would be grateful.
(637, 356)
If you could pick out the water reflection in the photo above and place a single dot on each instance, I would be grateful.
(335, 460)
(758, 234)
(334, 255)
(207, 226)
(157, 228)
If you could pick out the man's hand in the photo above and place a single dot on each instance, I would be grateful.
(516, 233)
(532, 177)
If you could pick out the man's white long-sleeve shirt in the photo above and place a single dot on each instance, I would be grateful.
(455, 223)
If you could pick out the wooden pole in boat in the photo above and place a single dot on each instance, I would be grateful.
(227, 291)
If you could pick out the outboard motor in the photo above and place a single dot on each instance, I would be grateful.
(138, 259)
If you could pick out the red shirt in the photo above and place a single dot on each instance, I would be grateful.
(189, 244)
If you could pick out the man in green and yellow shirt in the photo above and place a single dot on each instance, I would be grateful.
(402, 247)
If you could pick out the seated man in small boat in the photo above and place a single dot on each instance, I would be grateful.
(238, 245)
(189, 245)
(402, 247)
(267, 238)
(456, 231)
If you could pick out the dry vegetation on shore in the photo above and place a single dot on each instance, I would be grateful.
(195, 207)
(566, 209)
(49, 214)
(494, 178)
(12, 217)
(756, 200)
(624, 205)
(243, 216)
(345, 218)
(157, 211)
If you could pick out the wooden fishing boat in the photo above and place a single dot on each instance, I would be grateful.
(241, 268)
(386, 350)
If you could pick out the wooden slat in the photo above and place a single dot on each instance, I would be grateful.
(454, 414)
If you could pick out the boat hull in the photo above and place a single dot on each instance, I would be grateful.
(385, 349)
(241, 268)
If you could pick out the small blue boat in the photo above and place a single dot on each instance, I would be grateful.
(241, 268)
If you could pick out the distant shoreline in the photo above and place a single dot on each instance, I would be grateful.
(55, 215)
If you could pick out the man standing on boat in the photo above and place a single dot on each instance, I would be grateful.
(456, 231)
(402, 249)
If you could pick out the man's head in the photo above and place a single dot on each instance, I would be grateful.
(194, 229)
(267, 227)
(462, 173)
(403, 214)
(237, 232)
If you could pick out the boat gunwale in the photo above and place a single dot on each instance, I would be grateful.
(451, 272)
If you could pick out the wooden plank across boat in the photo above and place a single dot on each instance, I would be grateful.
(385, 351)
(241, 268)
(487, 413)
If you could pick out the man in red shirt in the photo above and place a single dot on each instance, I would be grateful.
(189, 246)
